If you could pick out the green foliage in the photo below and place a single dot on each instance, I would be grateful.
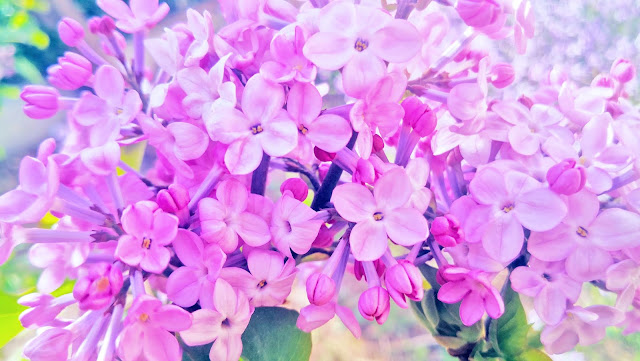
(509, 338)
(272, 335)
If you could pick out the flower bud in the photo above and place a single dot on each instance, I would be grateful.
(374, 304)
(43, 309)
(173, 199)
(72, 71)
(479, 13)
(419, 115)
(404, 279)
(42, 101)
(623, 70)
(70, 31)
(604, 81)
(364, 172)
(320, 289)
(446, 230)
(50, 345)
(502, 75)
(378, 143)
(323, 155)
(102, 25)
(96, 288)
(565, 178)
(297, 187)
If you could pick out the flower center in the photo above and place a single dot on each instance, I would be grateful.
(302, 129)
(262, 284)
(102, 284)
(378, 216)
(361, 44)
(143, 317)
(226, 323)
(582, 232)
(146, 243)
(119, 111)
(257, 129)
(508, 208)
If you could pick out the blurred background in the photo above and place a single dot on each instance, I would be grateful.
(581, 37)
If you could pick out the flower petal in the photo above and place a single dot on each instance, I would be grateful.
(354, 202)
(406, 226)
(368, 240)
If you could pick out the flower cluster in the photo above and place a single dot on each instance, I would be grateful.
(397, 149)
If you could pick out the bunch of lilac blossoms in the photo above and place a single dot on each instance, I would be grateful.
(535, 195)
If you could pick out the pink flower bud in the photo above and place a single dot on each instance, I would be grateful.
(102, 25)
(364, 172)
(72, 71)
(623, 70)
(297, 187)
(479, 13)
(502, 75)
(71, 32)
(378, 143)
(404, 279)
(42, 101)
(320, 289)
(604, 81)
(173, 199)
(565, 178)
(323, 155)
(50, 345)
(419, 115)
(374, 304)
(446, 230)
(324, 238)
(97, 286)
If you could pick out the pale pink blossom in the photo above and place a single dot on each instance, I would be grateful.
(293, 225)
(139, 15)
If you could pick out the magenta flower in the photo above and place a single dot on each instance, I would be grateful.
(139, 15)
(624, 277)
(223, 325)
(72, 71)
(41, 101)
(205, 89)
(550, 287)
(360, 39)
(380, 215)
(510, 201)
(51, 345)
(585, 238)
(328, 132)
(147, 332)
(262, 127)
(226, 219)
(58, 261)
(111, 106)
(269, 280)
(293, 226)
(97, 285)
(149, 230)
(404, 279)
(474, 289)
(585, 326)
(43, 309)
(195, 280)
(289, 63)
(34, 196)
(201, 27)
(374, 304)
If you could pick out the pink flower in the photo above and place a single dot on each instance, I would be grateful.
(418, 171)
(269, 280)
(585, 238)
(624, 277)
(97, 285)
(147, 331)
(623, 70)
(380, 215)
(321, 289)
(50, 345)
(378, 110)
(479, 14)
(111, 106)
(360, 39)
(566, 178)
(374, 304)
(223, 324)
(293, 226)
(328, 132)
(139, 15)
(550, 287)
(205, 89)
(262, 127)
(585, 326)
(312, 317)
(177, 143)
(288, 61)
(475, 291)
(468, 101)
(225, 219)
(34, 196)
(524, 27)
(201, 27)
(447, 230)
(149, 230)
(510, 201)
(195, 280)
(43, 309)
(58, 261)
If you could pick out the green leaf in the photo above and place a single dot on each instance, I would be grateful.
(10, 310)
(272, 335)
(533, 355)
(508, 334)
(429, 273)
